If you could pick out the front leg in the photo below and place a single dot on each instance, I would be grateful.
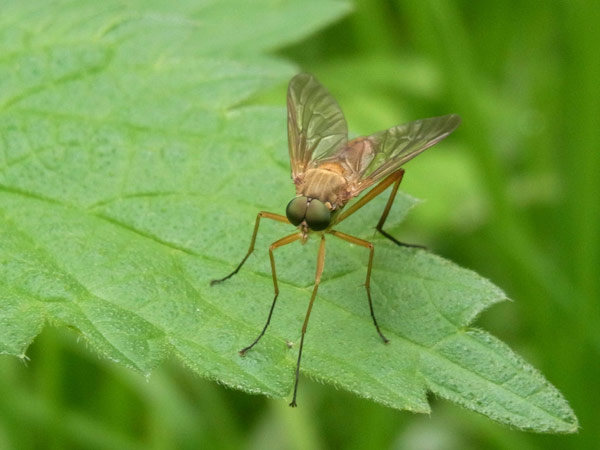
(320, 266)
(260, 215)
(280, 243)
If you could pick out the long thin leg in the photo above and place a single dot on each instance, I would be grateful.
(260, 215)
(280, 243)
(371, 247)
(386, 211)
(320, 265)
(391, 178)
(394, 178)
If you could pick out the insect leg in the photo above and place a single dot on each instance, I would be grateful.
(280, 243)
(385, 183)
(386, 211)
(260, 215)
(394, 178)
(370, 246)
(320, 265)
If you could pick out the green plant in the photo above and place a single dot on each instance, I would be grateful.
(134, 160)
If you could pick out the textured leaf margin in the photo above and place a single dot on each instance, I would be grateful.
(129, 178)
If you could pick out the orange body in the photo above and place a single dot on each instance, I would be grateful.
(325, 183)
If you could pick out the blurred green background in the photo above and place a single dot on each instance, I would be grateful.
(512, 195)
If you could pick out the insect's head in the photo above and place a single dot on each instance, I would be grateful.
(309, 210)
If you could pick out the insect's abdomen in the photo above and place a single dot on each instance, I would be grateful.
(324, 184)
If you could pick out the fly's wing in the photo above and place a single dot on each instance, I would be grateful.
(370, 159)
(316, 124)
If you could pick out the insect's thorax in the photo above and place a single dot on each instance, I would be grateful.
(325, 183)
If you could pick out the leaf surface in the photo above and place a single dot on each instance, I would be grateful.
(132, 164)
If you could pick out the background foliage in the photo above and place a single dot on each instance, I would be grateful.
(512, 198)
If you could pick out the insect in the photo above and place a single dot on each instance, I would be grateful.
(328, 171)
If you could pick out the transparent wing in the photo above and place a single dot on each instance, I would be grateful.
(316, 124)
(370, 159)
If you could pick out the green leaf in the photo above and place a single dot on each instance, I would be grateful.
(130, 176)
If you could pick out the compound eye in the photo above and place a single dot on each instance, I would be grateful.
(296, 210)
(318, 216)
